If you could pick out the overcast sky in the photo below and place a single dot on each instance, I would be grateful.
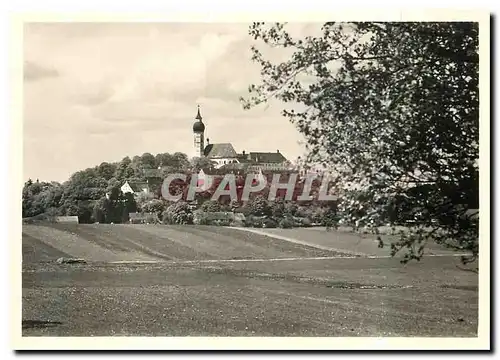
(99, 92)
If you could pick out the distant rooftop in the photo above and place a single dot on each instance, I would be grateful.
(222, 150)
(264, 157)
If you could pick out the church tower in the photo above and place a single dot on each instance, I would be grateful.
(199, 136)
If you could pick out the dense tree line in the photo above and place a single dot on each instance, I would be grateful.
(94, 194)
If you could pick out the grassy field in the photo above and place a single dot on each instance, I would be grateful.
(212, 281)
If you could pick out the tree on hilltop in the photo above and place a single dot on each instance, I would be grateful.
(198, 163)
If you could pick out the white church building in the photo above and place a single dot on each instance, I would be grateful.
(222, 154)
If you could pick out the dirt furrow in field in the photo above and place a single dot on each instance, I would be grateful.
(76, 246)
(194, 247)
(112, 237)
(35, 250)
(263, 246)
(271, 241)
(156, 238)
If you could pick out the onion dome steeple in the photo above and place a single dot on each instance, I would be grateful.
(198, 126)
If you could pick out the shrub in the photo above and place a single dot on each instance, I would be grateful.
(220, 222)
(317, 214)
(178, 213)
(245, 210)
(211, 206)
(238, 220)
(202, 221)
(301, 221)
(302, 211)
(268, 223)
(156, 206)
(286, 223)
(278, 209)
(259, 222)
(256, 224)
(213, 222)
(200, 218)
(143, 218)
(213, 218)
(143, 198)
(234, 205)
(291, 208)
(330, 221)
(259, 206)
(247, 222)
(151, 218)
(305, 222)
(240, 210)
(253, 221)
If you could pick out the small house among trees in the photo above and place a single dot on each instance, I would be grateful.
(135, 187)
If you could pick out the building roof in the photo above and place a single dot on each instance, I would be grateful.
(198, 126)
(223, 150)
(265, 157)
(198, 116)
(243, 158)
(137, 186)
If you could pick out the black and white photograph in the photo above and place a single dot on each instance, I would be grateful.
(275, 179)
